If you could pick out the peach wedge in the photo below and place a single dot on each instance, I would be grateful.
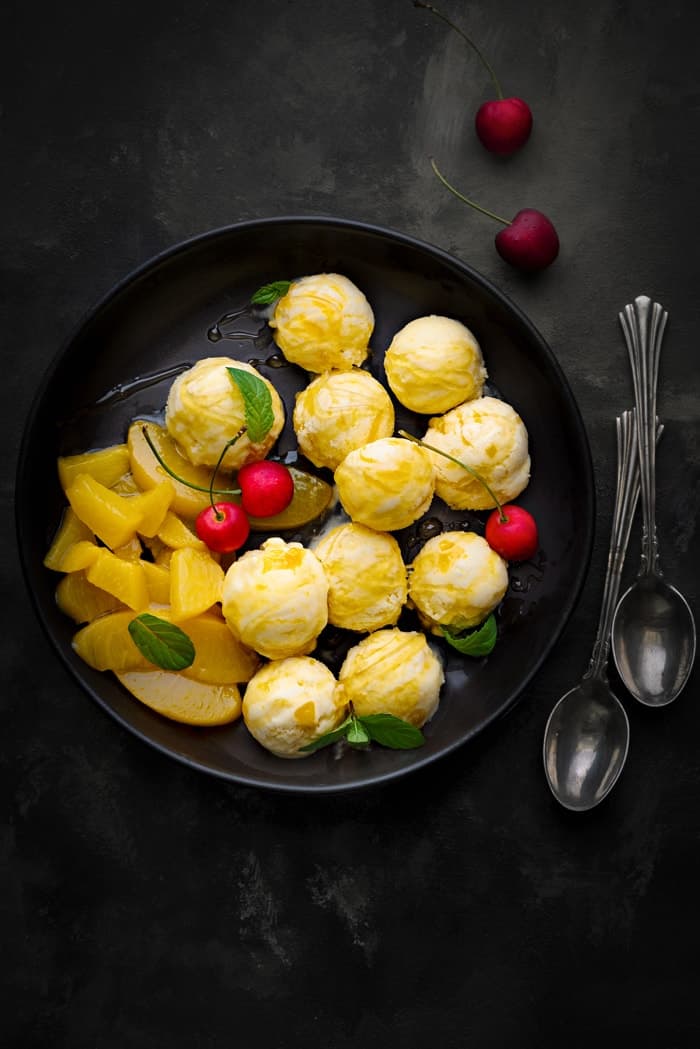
(182, 699)
(113, 518)
(106, 644)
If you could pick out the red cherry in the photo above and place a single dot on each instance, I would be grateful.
(504, 125)
(223, 527)
(530, 242)
(514, 538)
(266, 488)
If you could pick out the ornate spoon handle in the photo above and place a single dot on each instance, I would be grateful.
(626, 498)
(643, 324)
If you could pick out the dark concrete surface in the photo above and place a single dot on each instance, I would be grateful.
(146, 905)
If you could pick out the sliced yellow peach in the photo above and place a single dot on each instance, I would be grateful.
(83, 602)
(148, 472)
(106, 644)
(113, 518)
(71, 530)
(126, 485)
(176, 534)
(158, 582)
(154, 505)
(80, 555)
(183, 699)
(219, 657)
(130, 551)
(124, 579)
(196, 582)
(106, 465)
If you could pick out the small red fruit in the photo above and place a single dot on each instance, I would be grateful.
(529, 242)
(266, 488)
(504, 125)
(514, 538)
(224, 527)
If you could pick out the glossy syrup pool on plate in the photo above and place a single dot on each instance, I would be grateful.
(158, 321)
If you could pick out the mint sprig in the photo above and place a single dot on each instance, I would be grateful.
(385, 729)
(270, 293)
(161, 642)
(257, 402)
(329, 737)
(477, 642)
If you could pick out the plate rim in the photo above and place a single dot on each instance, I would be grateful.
(587, 482)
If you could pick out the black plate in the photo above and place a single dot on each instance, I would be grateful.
(160, 316)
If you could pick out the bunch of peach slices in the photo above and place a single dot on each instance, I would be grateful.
(127, 544)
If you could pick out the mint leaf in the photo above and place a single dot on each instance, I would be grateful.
(270, 292)
(161, 642)
(357, 733)
(257, 400)
(478, 642)
(327, 738)
(392, 732)
(384, 729)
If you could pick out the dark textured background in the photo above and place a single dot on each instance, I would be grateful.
(146, 905)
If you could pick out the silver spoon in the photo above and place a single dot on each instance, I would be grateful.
(653, 630)
(587, 734)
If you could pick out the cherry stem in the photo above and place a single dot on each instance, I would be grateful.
(471, 203)
(229, 444)
(487, 65)
(470, 469)
(176, 477)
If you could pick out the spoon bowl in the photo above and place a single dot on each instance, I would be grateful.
(653, 639)
(585, 744)
(586, 737)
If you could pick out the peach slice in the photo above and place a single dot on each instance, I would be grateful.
(182, 698)
(107, 465)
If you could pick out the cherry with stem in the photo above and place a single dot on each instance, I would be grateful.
(529, 241)
(504, 124)
(223, 526)
(510, 530)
